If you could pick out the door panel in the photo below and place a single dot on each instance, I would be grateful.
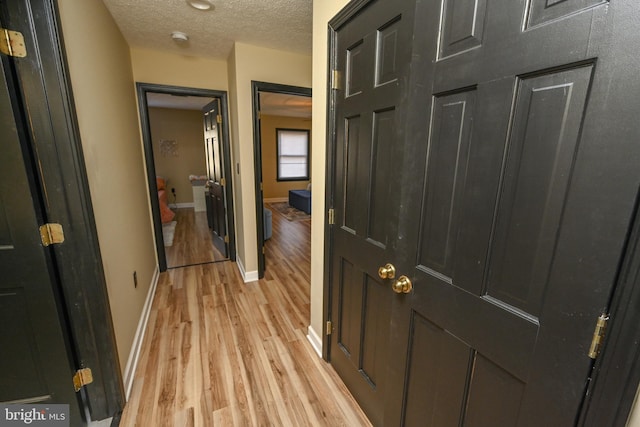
(498, 174)
(35, 366)
(463, 25)
(494, 396)
(449, 162)
(495, 211)
(435, 397)
(214, 197)
(541, 11)
(373, 58)
(542, 147)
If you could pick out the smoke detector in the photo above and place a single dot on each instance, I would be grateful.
(180, 37)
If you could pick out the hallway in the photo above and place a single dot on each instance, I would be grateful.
(221, 352)
(192, 241)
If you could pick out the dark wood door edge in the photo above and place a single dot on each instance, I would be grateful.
(46, 93)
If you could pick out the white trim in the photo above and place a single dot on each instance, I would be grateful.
(247, 276)
(101, 423)
(276, 200)
(315, 340)
(182, 205)
(134, 355)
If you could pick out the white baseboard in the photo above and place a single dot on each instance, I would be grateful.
(247, 276)
(134, 355)
(181, 205)
(315, 340)
(101, 423)
(276, 200)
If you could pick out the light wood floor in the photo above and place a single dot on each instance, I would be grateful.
(221, 352)
(191, 241)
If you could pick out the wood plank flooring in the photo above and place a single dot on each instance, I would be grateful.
(219, 352)
(192, 241)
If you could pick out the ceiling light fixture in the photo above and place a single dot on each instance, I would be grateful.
(180, 37)
(203, 5)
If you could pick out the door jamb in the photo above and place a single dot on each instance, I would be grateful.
(256, 88)
(142, 89)
(616, 374)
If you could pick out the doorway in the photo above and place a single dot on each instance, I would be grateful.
(180, 154)
(283, 111)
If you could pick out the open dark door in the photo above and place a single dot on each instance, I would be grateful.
(505, 209)
(215, 195)
(368, 150)
(35, 362)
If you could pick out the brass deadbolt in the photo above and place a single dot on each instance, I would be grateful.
(402, 286)
(387, 272)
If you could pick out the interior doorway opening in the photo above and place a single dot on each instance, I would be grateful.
(187, 153)
(280, 111)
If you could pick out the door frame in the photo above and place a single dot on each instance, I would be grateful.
(616, 372)
(45, 87)
(256, 88)
(142, 89)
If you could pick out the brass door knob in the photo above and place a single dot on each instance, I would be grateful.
(402, 286)
(387, 272)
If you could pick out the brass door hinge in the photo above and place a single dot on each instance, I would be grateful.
(81, 378)
(329, 327)
(219, 118)
(332, 216)
(336, 80)
(223, 182)
(264, 250)
(51, 234)
(259, 115)
(12, 43)
(598, 336)
(226, 238)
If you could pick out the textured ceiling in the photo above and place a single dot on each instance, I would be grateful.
(278, 104)
(277, 24)
(165, 100)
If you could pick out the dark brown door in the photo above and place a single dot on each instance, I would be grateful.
(214, 197)
(375, 51)
(35, 365)
(509, 207)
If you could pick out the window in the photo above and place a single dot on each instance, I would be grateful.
(293, 154)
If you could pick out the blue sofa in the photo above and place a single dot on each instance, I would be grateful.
(300, 199)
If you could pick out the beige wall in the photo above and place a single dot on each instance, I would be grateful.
(184, 127)
(103, 88)
(235, 164)
(323, 11)
(151, 66)
(272, 188)
(247, 63)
